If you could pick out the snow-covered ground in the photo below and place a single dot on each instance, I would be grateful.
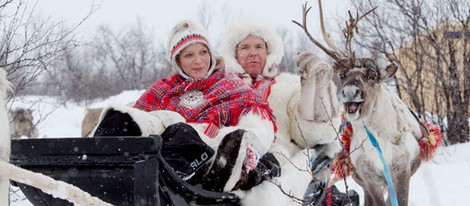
(443, 181)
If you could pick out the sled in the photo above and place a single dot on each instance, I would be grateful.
(118, 170)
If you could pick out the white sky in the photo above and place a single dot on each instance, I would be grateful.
(159, 16)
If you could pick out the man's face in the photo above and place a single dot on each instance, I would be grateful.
(251, 55)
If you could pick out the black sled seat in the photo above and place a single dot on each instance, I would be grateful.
(118, 170)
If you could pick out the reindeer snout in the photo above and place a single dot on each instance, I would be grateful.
(350, 94)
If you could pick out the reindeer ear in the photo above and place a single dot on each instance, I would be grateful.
(389, 71)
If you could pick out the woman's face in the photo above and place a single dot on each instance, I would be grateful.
(195, 60)
(251, 55)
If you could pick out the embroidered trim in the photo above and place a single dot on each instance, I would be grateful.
(184, 40)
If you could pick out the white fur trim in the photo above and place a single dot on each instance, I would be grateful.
(238, 30)
(261, 132)
(237, 168)
(147, 122)
(180, 31)
(212, 142)
(168, 117)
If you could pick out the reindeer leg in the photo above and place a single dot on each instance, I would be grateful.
(315, 97)
(376, 195)
(368, 201)
(415, 165)
(402, 187)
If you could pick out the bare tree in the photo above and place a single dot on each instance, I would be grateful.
(132, 55)
(429, 39)
(287, 64)
(204, 15)
(116, 61)
(28, 42)
(74, 76)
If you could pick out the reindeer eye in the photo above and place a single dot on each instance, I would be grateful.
(373, 76)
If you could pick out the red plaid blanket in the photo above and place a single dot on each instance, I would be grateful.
(225, 98)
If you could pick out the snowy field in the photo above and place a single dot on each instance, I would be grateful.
(443, 181)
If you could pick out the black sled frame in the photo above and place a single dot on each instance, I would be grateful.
(118, 170)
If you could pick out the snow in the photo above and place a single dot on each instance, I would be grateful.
(442, 181)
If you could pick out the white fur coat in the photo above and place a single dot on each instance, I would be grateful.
(4, 137)
(294, 136)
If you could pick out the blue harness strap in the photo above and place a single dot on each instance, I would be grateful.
(388, 176)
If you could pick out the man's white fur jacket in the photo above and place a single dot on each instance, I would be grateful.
(305, 107)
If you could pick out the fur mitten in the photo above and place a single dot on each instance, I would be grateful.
(309, 65)
(267, 168)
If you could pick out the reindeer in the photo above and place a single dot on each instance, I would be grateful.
(21, 123)
(368, 104)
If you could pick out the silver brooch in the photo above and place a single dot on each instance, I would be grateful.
(191, 99)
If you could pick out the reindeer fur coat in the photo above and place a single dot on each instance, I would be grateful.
(4, 136)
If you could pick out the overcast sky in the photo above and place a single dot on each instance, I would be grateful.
(159, 16)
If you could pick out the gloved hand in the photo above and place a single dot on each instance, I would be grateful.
(267, 168)
(339, 198)
(315, 194)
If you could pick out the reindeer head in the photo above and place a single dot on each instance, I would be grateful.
(360, 77)
(359, 83)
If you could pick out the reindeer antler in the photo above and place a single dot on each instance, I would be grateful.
(325, 34)
(332, 54)
(342, 60)
(352, 28)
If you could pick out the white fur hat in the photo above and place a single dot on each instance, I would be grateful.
(238, 30)
(181, 36)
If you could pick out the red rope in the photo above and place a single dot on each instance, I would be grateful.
(328, 197)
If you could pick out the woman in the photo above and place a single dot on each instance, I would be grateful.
(305, 108)
(220, 109)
